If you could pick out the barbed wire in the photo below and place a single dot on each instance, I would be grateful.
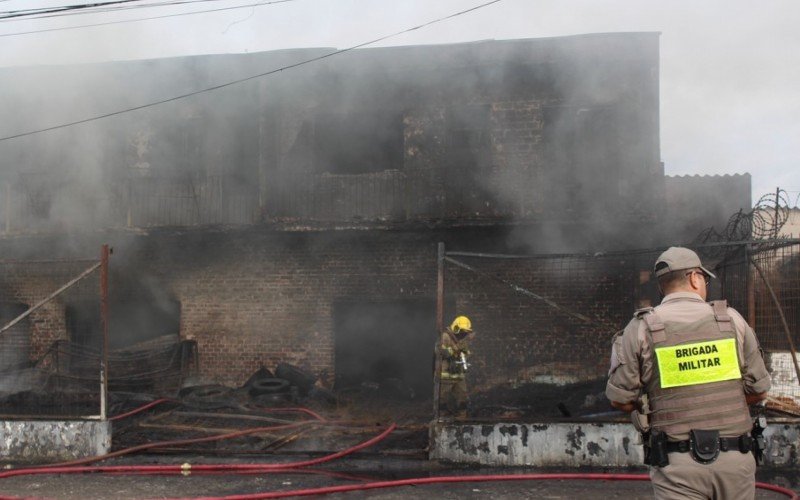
(763, 222)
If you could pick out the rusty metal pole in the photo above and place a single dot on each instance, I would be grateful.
(777, 210)
(104, 253)
(751, 289)
(7, 207)
(440, 289)
(437, 365)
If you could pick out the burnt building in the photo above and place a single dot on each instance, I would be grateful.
(295, 215)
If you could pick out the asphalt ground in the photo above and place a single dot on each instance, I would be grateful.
(347, 471)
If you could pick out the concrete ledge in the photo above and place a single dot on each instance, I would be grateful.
(36, 441)
(573, 444)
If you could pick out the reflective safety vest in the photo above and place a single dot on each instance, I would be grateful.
(697, 380)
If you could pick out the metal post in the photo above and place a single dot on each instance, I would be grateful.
(751, 289)
(8, 207)
(104, 253)
(440, 288)
(437, 365)
(777, 209)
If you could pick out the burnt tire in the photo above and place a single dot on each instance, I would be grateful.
(269, 386)
(205, 392)
(275, 399)
(302, 379)
(322, 395)
(260, 374)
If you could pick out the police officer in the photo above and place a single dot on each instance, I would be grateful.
(453, 351)
(700, 366)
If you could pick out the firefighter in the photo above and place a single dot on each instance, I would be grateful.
(453, 351)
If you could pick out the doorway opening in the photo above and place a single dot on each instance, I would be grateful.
(386, 344)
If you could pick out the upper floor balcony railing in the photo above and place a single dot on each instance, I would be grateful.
(46, 203)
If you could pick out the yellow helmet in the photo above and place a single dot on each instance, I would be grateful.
(461, 324)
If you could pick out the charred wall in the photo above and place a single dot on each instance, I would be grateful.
(342, 176)
(253, 297)
(559, 129)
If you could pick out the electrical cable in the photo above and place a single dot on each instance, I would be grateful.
(100, 9)
(247, 6)
(47, 10)
(252, 77)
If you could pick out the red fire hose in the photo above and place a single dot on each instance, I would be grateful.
(140, 409)
(188, 468)
(178, 442)
(462, 479)
(284, 467)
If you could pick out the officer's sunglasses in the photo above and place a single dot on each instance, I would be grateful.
(706, 277)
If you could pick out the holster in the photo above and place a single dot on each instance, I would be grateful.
(655, 449)
(704, 445)
(758, 443)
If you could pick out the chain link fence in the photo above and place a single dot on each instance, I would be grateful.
(544, 323)
(48, 306)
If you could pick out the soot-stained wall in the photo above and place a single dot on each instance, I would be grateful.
(253, 297)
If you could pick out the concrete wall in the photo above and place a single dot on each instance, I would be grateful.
(43, 441)
(573, 444)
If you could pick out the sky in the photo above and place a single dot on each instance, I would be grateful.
(730, 70)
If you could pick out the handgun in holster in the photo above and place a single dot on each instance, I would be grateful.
(759, 442)
(655, 448)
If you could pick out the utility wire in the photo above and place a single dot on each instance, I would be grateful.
(63, 8)
(102, 10)
(247, 6)
(234, 82)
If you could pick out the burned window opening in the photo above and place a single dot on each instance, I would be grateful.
(134, 317)
(15, 343)
(469, 161)
(358, 143)
(468, 127)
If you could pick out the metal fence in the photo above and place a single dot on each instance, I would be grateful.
(55, 360)
(544, 323)
(47, 202)
(189, 200)
(48, 303)
(764, 283)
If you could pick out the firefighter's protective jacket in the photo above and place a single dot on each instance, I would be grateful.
(451, 347)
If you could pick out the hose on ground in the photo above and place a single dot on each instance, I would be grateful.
(187, 469)
(140, 409)
(460, 479)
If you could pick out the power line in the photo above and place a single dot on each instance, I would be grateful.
(47, 10)
(247, 6)
(101, 9)
(234, 82)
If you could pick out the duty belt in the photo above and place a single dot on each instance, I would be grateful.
(743, 443)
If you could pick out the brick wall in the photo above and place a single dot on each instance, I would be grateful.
(251, 297)
(27, 283)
